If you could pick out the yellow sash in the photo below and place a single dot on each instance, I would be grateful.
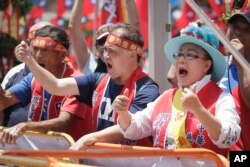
(178, 122)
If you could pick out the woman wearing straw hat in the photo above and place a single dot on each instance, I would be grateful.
(197, 113)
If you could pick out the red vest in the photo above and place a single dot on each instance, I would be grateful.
(196, 134)
(77, 128)
(100, 91)
(244, 114)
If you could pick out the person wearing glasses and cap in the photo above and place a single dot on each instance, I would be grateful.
(236, 79)
(86, 60)
(197, 114)
(49, 49)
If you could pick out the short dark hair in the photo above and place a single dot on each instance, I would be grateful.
(130, 33)
(57, 34)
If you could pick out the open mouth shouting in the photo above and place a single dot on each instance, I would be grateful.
(182, 72)
(109, 66)
(182, 75)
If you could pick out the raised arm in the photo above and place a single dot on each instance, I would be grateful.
(133, 17)
(61, 87)
(191, 102)
(76, 35)
(221, 127)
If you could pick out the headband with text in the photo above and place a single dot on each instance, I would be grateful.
(48, 43)
(124, 43)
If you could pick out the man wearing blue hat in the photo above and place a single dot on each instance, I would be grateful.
(236, 79)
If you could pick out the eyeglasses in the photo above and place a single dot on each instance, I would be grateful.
(187, 56)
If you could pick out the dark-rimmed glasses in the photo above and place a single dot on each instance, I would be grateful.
(187, 56)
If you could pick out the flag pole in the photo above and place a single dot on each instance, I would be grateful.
(157, 38)
(235, 53)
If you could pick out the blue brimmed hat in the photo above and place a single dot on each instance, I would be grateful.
(203, 37)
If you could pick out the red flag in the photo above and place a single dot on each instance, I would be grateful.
(115, 11)
(122, 15)
(64, 6)
(187, 16)
(60, 8)
(88, 18)
(9, 9)
(88, 14)
(35, 13)
(217, 6)
(142, 8)
(112, 11)
(7, 17)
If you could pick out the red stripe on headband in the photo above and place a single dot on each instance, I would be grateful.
(124, 43)
(48, 43)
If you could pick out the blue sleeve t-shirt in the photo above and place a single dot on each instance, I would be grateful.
(22, 90)
(87, 85)
(16, 113)
(230, 79)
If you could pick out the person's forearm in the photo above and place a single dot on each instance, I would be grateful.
(7, 99)
(44, 77)
(76, 14)
(109, 135)
(124, 120)
(76, 35)
(133, 16)
(48, 125)
(210, 123)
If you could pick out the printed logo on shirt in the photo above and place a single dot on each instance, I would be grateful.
(58, 106)
(106, 110)
(190, 137)
(157, 126)
(94, 98)
(34, 101)
(200, 138)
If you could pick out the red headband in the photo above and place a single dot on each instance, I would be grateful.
(48, 43)
(124, 43)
